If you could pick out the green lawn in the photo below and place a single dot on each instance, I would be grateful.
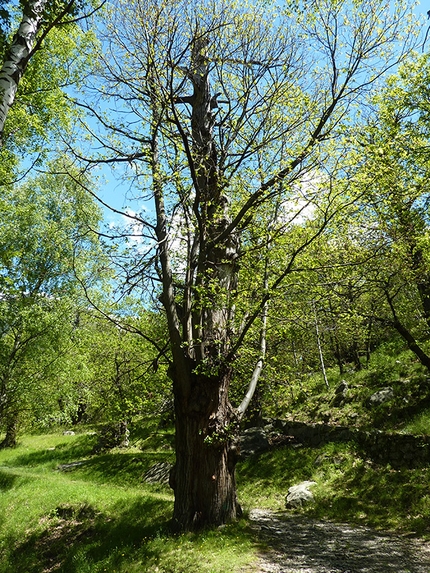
(100, 515)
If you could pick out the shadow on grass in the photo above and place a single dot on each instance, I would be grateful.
(381, 497)
(276, 470)
(152, 437)
(80, 447)
(116, 467)
(79, 539)
(119, 468)
(79, 534)
(7, 480)
(349, 489)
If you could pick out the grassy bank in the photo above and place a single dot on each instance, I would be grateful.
(348, 488)
(99, 515)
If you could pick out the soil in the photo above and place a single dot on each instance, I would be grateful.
(297, 544)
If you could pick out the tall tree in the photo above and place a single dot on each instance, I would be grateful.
(44, 236)
(393, 180)
(223, 110)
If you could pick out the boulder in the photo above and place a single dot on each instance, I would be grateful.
(299, 494)
(342, 388)
(71, 466)
(340, 394)
(383, 395)
(253, 441)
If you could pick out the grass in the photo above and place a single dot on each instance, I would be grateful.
(419, 424)
(309, 400)
(100, 516)
(348, 488)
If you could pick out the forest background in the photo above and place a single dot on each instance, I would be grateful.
(272, 168)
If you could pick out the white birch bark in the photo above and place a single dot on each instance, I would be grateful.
(17, 56)
(263, 348)
(320, 352)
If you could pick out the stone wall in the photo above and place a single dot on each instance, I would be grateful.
(399, 450)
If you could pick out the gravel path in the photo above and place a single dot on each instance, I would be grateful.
(301, 545)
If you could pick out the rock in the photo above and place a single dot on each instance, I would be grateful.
(158, 473)
(71, 466)
(384, 395)
(253, 441)
(299, 494)
(342, 388)
(319, 460)
(340, 394)
(68, 433)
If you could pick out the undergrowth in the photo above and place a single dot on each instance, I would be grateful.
(308, 399)
(348, 488)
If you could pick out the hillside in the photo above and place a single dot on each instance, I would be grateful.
(67, 507)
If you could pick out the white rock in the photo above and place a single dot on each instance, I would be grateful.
(299, 494)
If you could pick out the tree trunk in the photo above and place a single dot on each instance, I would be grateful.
(320, 352)
(18, 55)
(412, 343)
(10, 440)
(203, 478)
(407, 335)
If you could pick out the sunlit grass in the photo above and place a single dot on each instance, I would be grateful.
(348, 488)
(100, 516)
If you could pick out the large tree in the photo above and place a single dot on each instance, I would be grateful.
(220, 111)
(44, 238)
(392, 179)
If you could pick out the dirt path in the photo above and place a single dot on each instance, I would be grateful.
(301, 545)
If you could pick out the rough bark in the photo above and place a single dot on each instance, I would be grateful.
(10, 439)
(203, 478)
(206, 424)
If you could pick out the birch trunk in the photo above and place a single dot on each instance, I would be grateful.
(320, 352)
(18, 55)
